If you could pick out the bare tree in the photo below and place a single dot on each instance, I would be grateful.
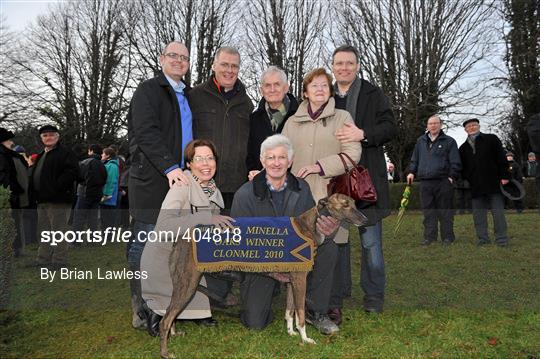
(285, 33)
(215, 23)
(14, 101)
(523, 63)
(418, 51)
(202, 25)
(154, 23)
(80, 65)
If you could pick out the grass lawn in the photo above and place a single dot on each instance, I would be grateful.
(460, 301)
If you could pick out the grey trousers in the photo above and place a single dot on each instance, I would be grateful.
(53, 217)
(480, 206)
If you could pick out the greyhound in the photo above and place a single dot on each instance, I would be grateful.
(185, 277)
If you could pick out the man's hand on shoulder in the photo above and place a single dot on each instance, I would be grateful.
(177, 177)
(349, 133)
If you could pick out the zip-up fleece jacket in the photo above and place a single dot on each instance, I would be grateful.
(437, 159)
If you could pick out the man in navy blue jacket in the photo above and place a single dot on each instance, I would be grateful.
(436, 163)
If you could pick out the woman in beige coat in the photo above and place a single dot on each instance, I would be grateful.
(184, 207)
(312, 132)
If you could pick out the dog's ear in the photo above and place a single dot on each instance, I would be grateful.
(323, 202)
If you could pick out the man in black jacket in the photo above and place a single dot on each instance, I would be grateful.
(221, 110)
(92, 176)
(435, 162)
(159, 127)
(274, 192)
(374, 127)
(14, 176)
(517, 174)
(276, 106)
(485, 167)
(53, 182)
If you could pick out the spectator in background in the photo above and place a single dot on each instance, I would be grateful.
(92, 176)
(393, 176)
(533, 130)
(463, 196)
(14, 176)
(435, 162)
(532, 165)
(109, 199)
(516, 174)
(276, 106)
(53, 182)
(123, 206)
(485, 167)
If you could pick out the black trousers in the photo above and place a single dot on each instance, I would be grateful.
(436, 197)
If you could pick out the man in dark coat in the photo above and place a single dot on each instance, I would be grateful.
(533, 130)
(53, 186)
(517, 174)
(221, 110)
(435, 162)
(159, 128)
(14, 176)
(274, 192)
(485, 167)
(275, 108)
(374, 127)
(92, 177)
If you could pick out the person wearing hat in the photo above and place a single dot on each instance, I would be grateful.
(515, 174)
(485, 167)
(53, 181)
(14, 176)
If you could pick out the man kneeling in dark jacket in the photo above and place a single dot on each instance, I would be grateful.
(276, 192)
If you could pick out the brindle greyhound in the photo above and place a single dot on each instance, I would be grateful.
(185, 277)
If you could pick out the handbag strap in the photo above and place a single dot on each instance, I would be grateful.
(343, 161)
(350, 159)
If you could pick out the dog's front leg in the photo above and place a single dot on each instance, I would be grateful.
(289, 311)
(298, 282)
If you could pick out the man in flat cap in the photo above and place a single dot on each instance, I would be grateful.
(485, 167)
(52, 182)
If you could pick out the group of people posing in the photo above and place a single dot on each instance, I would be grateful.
(204, 156)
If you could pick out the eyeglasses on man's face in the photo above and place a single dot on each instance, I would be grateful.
(177, 57)
(227, 66)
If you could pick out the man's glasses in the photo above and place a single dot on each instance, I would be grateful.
(177, 57)
(227, 66)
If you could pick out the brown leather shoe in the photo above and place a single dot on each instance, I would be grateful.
(335, 315)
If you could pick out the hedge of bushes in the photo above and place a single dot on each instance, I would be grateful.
(396, 192)
(7, 233)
